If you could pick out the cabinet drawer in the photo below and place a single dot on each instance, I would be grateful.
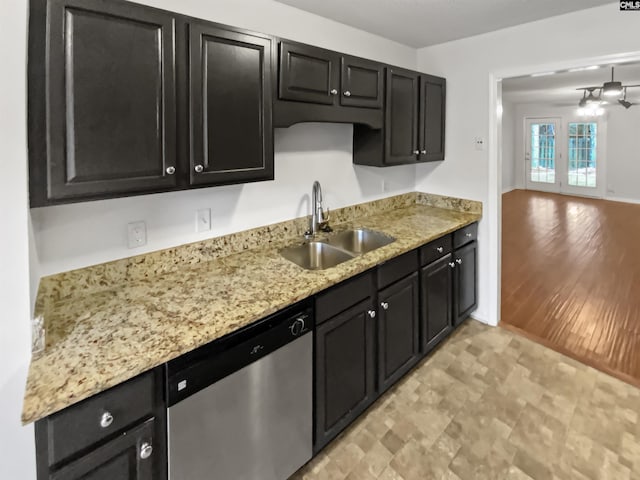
(465, 235)
(81, 426)
(397, 268)
(344, 295)
(435, 249)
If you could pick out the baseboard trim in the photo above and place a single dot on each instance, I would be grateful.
(622, 200)
(482, 319)
(508, 189)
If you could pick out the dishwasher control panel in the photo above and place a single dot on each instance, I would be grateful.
(205, 365)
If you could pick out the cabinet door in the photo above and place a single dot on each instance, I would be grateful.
(231, 134)
(344, 370)
(127, 457)
(465, 296)
(398, 337)
(432, 118)
(401, 116)
(361, 83)
(110, 113)
(308, 74)
(436, 303)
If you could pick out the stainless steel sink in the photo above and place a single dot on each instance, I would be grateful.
(316, 255)
(360, 240)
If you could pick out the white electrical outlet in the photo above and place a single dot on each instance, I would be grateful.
(203, 220)
(136, 234)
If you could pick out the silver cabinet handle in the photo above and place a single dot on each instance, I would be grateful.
(146, 449)
(459, 261)
(416, 152)
(347, 93)
(452, 265)
(439, 249)
(171, 170)
(198, 168)
(423, 152)
(372, 313)
(468, 235)
(106, 419)
(385, 305)
(334, 91)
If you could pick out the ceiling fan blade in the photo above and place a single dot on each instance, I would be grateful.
(625, 104)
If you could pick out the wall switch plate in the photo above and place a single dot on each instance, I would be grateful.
(136, 234)
(203, 220)
(479, 143)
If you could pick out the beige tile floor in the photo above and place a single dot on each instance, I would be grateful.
(492, 405)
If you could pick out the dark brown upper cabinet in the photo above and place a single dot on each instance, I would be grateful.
(107, 122)
(413, 125)
(126, 99)
(361, 83)
(308, 74)
(318, 85)
(401, 117)
(230, 106)
(432, 118)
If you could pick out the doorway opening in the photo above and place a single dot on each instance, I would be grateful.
(568, 267)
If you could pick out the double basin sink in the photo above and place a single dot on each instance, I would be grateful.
(337, 248)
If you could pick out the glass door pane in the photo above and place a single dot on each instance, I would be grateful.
(582, 152)
(543, 152)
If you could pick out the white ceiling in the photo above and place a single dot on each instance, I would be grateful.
(420, 23)
(560, 89)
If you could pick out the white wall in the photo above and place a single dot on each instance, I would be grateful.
(75, 236)
(509, 128)
(469, 65)
(623, 154)
(16, 442)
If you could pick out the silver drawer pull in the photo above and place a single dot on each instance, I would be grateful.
(385, 305)
(334, 91)
(171, 170)
(106, 419)
(146, 449)
(198, 168)
(452, 265)
(468, 235)
(459, 261)
(439, 249)
(347, 93)
(372, 313)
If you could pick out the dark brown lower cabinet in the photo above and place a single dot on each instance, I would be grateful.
(465, 293)
(344, 370)
(436, 300)
(126, 457)
(398, 346)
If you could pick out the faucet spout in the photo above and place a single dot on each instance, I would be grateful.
(318, 218)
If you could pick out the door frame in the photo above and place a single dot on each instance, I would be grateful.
(494, 195)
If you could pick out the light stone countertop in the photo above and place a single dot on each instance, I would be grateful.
(100, 336)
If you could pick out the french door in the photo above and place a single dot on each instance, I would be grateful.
(542, 153)
(564, 157)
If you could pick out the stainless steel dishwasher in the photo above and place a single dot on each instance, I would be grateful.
(240, 408)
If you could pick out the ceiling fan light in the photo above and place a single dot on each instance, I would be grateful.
(612, 89)
(591, 99)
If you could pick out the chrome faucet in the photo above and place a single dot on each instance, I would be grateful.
(319, 218)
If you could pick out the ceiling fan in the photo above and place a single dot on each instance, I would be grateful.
(612, 89)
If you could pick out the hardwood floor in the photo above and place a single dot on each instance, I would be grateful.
(571, 277)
